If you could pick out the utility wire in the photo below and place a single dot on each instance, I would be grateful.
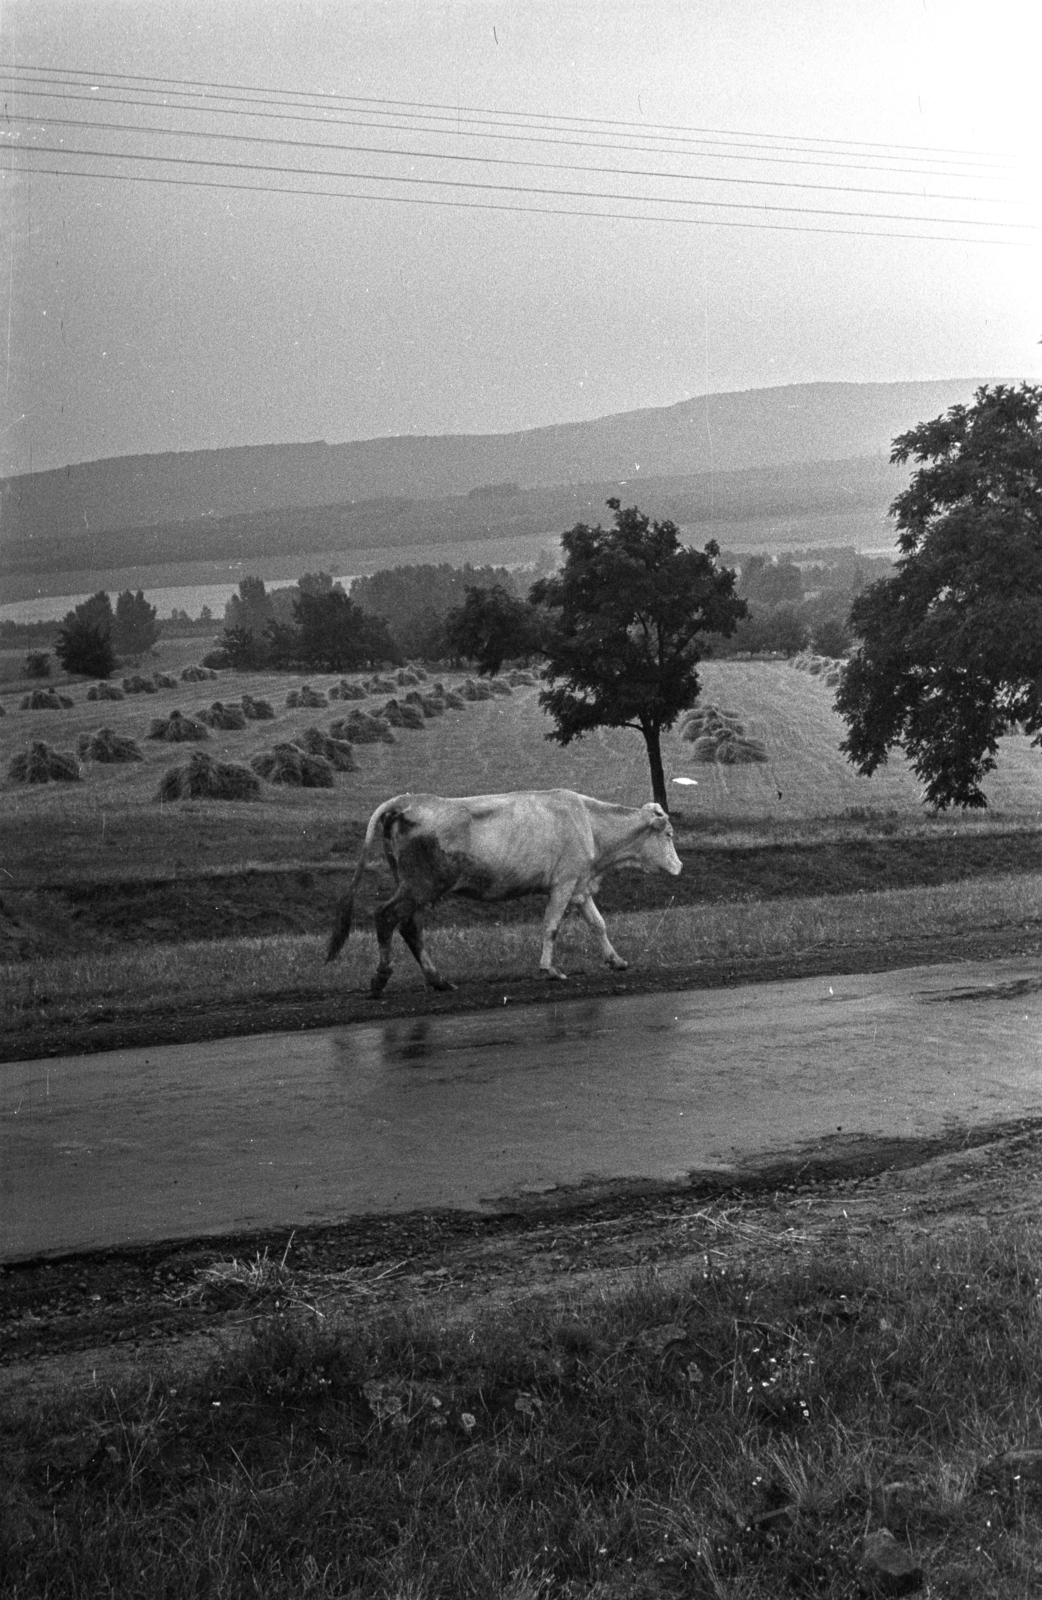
(485, 205)
(736, 153)
(517, 188)
(497, 161)
(226, 90)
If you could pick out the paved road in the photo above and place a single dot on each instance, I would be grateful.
(289, 1129)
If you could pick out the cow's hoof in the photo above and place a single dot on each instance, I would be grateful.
(440, 984)
(555, 973)
(378, 985)
(617, 964)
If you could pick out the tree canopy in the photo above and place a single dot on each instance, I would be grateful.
(626, 613)
(492, 626)
(950, 657)
(84, 643)
(135, 629)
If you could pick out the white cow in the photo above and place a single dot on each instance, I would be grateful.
(496, 846)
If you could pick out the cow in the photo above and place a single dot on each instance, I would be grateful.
(497, 846)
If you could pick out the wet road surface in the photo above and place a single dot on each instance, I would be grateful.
(471, 1111)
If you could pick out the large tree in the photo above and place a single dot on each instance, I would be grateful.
(950, 657)
(626, 614)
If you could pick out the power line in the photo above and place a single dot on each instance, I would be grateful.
(483, 205)
(735, 153)
(499, 161)
(534, 189)
(325, 96)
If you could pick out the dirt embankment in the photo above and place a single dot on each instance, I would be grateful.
(66, 918)
(85, 917)
(101, 1317)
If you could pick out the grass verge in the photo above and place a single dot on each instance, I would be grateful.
(735, 1433)
(133, 981)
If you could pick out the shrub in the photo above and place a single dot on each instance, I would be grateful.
(38, 664)
(217, 660)
(177, 729)
(41, 764)
(197, 674)
(203, 778)
(289, 764)
(105, 745)
(46, 700)
(228, 718)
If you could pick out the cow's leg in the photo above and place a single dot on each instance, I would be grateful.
(556, 909)
(596, 922)
(386, 919)
(412, 933)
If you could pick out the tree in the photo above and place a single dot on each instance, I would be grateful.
(250, 608)
(951, 646)
(84, 643)
(337, 636)
(85, 648)
(770, 583)
(416, 601)
(627, 610)
(491, 627)
(135, 629)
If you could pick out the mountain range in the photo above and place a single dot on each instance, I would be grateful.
(802, 448)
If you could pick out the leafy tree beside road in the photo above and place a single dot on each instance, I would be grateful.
(626, 614)
(950, 657)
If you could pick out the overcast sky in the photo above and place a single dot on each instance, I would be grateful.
(147, 316)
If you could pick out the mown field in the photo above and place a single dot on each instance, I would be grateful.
(94, 871)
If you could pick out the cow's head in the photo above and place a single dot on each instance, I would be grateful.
(657, 852)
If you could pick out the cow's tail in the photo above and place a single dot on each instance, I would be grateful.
(345, 905)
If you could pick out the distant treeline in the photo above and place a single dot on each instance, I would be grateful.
(498, 511)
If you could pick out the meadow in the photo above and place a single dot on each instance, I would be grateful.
(110, 829)
(111, 824)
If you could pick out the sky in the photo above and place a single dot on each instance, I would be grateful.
(147, 316)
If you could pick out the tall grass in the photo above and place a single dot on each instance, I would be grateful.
(735, 1434)
(138, 979)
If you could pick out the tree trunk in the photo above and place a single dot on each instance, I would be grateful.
(658, 776)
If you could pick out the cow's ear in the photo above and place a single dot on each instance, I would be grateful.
(659, 818)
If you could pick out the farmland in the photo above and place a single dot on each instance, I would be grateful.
(113, 901)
